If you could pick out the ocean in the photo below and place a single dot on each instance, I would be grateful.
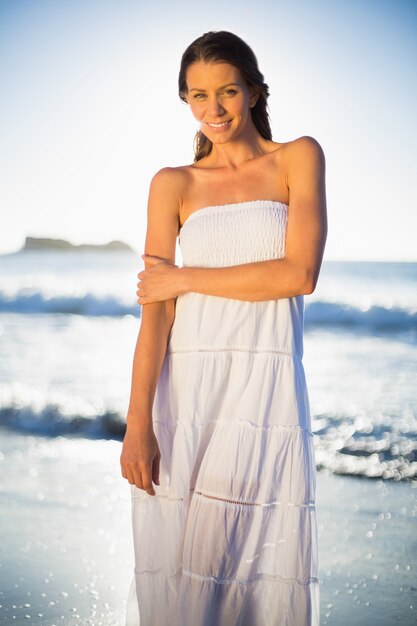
(69, 323)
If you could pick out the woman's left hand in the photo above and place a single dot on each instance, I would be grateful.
(159, 282)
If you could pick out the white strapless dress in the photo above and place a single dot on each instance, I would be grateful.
(230, 539)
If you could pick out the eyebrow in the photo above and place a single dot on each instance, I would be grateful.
(222, 87)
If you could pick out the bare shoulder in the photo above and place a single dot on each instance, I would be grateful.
(170, 181)
(304, 148)
(166, 192)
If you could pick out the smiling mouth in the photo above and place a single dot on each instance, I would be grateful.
(220, 125)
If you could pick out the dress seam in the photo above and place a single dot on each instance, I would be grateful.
(303, 505)
(231, 349)
(294, 428)
(254, 579)
(220, 499)
(228, 581)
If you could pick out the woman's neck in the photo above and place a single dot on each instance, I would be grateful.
(234, 153)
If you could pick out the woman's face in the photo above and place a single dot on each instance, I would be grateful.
(220, 99)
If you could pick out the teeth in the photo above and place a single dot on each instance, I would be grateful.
(218, 125)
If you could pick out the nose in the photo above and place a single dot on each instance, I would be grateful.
(215, 107)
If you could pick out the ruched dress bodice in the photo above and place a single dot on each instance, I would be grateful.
(234, 234)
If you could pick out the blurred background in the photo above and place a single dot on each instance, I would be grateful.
(89, 112)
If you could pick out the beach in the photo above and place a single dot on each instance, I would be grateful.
(67, 552)
(68, 327)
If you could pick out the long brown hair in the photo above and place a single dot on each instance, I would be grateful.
(229, 48)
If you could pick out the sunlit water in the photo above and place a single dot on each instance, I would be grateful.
(69, 322)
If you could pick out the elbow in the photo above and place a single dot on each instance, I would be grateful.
(309, 289)
(308, 282)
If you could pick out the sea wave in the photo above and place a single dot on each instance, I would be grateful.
(377, 317)
(87, 304)
(53, 420)
(343, 445)
(317, 312)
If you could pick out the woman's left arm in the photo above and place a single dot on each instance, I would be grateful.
(294, 274)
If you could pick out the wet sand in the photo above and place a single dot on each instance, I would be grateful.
(66, 553)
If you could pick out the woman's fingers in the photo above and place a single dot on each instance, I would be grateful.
(140, 459)
(155, 469)
(147, 483)
(142, 479)
(123, 470)
(132, 474)
(133, 477)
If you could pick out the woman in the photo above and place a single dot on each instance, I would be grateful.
(218, 447)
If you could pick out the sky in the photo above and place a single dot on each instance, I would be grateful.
(90, 111)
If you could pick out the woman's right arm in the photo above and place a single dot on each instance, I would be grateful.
(140, 455)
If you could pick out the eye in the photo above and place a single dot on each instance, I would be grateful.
(230, 92)
(196, 96)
